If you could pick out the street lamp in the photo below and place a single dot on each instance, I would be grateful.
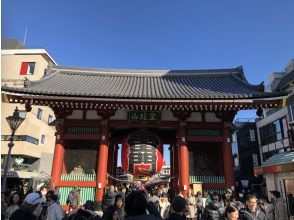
(14, 122)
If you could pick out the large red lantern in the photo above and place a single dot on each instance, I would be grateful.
(142, 153)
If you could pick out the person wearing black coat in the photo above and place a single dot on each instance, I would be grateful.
(116, 211)
(252, 211)
(214, 210)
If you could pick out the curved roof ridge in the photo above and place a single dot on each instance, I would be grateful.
(141, 72)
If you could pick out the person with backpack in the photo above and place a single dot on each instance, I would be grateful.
(214, 210)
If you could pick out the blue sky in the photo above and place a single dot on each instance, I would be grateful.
(158, 34)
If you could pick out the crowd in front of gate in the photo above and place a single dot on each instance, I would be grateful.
(137, 202)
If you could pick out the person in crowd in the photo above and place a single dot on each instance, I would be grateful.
(54, 211)
(43, 191)
(136, 206)
(252, 211)
(123, 191)
(87, 211)
(57, 193)
(116, 211)
(232, 212)
(13, 205)
(241, 196)
(208, 198)
(79, 170)
(191, 205)
(178, 206)
(164, 206)
(4, 205)
(214, 210)
(200, 204)
(267, 206)
(154, 197)
(30, 209)
(108, 199)
(227, 197)
(280, 210)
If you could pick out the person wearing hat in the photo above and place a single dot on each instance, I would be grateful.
(30, 209)
(280, 210)
(116, 211)
(178, 206)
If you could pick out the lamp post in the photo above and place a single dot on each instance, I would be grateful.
(14, 122)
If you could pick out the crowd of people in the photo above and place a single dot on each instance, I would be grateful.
(137, 202)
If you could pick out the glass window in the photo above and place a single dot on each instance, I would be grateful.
(43, 139)
(50, 118)
(39, 113)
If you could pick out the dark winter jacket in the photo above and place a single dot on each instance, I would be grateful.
(245, 214)
(112, 211)
(175, 216)
(213, 211)
(108, 200)
(23, 213)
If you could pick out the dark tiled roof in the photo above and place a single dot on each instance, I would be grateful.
(287, 79)
(142, 84)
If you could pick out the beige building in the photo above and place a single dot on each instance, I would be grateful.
(34, 140)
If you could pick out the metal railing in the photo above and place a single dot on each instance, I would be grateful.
(207, 179)
(87, 193)
(78, 177)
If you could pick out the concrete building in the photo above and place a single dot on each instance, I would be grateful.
(34, 140)
(275, 139)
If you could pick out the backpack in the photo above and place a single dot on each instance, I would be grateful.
(69, 198)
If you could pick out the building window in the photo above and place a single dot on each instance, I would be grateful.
(27, 68)
(43, 139)
(271, 133)
(39, 113)
(50, 118)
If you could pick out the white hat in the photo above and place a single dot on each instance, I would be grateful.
(34, 198)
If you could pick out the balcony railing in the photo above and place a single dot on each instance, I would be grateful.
(87, 193)
(207, 179)
(78, 177)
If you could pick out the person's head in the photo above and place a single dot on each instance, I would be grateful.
(89, 205)
(136, 203)
(215, 197)
(163, 197)
(51, 199)
(232, 212)
(199, 194)
(251, 202)
(123, 190)
(190, 192)
(119, 201)
(15, 199)
(178, 205)
(43, 190)
(33, 202)
(241, 194)
(263, 199)
(275, 195)
(111, 188)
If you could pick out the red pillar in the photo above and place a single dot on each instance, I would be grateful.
(57, 164)
(102, 162)
(183, 162)
(227, 157)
